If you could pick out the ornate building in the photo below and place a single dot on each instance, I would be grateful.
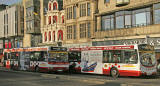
(53, 28)
(80, 22)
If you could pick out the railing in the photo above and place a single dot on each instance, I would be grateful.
(134, 31)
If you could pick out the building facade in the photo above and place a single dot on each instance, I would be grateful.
(127, 22)
(11, 27)
(32, 33)
(79, 22)
(53, 28)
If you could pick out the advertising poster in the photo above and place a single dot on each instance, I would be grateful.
(91, 61)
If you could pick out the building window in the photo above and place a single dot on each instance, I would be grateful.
(83, 30)
(54, 19)
(128, 19)
(107, 22)
(53, 36)
(141, 17)
(89, 28)
(119, 19)
(45, 36)
(49, 20)
(49, 6)
(156, 13)
(88, 9)
(74, 28)
(62, 19)
(69, 13)
(82, 10)
(74, 12)
(106, 1)
(49, 35)
(123, 19)
(69, 32)
(54, 6)
(60, 35)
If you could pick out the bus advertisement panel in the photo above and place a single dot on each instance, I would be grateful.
(91, 62)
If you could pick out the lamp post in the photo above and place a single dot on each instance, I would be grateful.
(147, 39)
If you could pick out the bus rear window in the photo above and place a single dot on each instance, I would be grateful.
(74, 56)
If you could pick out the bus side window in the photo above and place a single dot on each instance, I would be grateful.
(105, 56)
(130, 57)
(117, 56)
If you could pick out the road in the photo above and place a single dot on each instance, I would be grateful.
(20, 78)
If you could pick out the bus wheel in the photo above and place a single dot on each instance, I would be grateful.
(37, 69)
(114, 73)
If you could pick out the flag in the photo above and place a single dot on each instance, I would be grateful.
(35, 13)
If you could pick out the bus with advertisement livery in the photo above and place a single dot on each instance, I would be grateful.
(118, 60)
(40, 59)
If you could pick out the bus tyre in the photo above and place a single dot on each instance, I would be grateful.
(37, 69)
(114, 73)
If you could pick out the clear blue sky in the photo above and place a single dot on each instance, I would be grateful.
(9, 2)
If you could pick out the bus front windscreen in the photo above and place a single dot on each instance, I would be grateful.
(147, 58)
(58, 57)
(147, 55)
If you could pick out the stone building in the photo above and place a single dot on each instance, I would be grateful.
(52, 28)
(11, 27)
(32, 33)
(127, 22)
(79, 22)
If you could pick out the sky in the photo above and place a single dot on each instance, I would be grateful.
(9, 2)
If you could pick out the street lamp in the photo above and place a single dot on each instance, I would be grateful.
(147, 39)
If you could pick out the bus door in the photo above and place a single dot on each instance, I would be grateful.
(7, 60)
(14, 60)
(42, 64)
(74, 58)
(26, 60)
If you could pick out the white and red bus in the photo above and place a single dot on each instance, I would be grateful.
(43, 59)
(119, 60)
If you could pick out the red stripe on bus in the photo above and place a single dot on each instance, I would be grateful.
(123, 72)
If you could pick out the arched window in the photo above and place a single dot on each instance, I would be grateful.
(45, 36)
(53, 36)
(49, 20)
(49, 6)
(62, 19)
(54, 6)
(54, 19)
(60, 35)
(49, 35)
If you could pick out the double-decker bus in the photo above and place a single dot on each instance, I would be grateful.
(119, 60)
(43, 59)
(74, 59)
